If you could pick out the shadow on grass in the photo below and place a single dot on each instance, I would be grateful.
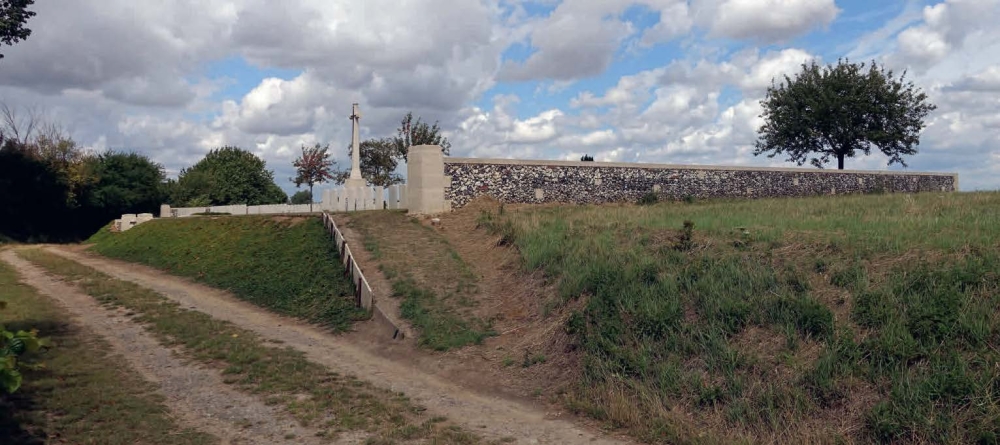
(14, 428)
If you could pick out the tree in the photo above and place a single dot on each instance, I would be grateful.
(587, 158)
(313, 167)
(14, 14)
(831, 112)
(302, 197)
(412, 133)
(125, 183)
(228, 175)
(379, 159)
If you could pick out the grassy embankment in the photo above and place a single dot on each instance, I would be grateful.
(863, 318)
(314, 395)
(287, 264)
(432, 280)
(83, 394)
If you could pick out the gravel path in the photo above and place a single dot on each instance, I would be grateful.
(195, 395)
(491, 417)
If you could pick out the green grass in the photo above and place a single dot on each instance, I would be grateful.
(334, 403)
(285, 264)
(783, 319)
(434, 283)
(83, 395)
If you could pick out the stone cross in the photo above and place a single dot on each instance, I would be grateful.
(355, 145)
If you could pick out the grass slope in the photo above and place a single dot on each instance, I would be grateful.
(860, 318)
(83, 394)
(287, 264)
(432, 280)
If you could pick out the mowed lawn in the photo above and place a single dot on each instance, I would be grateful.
(287, 264)
(854, 318)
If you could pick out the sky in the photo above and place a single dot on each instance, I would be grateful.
(664, 81)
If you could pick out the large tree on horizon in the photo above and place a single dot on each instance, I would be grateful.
(14, 15)
(227, 175)
(832, 112)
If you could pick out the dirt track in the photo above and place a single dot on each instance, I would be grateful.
(196, 395)
(491, 417)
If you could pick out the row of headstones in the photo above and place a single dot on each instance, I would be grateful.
(130, 220)
(364, 198)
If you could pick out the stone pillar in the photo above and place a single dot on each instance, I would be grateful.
(426, 180)
(355, 180)
(165, 211)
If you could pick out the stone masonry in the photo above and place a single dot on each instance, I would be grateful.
(515, 181)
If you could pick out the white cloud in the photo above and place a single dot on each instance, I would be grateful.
(765, 20)
(773, 67)
(577, 40)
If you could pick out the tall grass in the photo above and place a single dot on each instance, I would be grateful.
(785, 319)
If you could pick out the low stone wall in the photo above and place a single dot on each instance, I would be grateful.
(516, 181)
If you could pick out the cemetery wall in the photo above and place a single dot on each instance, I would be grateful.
(518, 181)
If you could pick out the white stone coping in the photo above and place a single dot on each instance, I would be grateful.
(594, 164)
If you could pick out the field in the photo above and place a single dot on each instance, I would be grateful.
(287, 264)
(858, 318)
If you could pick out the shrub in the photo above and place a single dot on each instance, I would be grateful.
(13, 345)
(686, 240)
(649, 198)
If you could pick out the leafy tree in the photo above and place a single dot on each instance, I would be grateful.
(302, 197)
(587, 158)
(314, 166)
(228, 175)
(379, 159)
(412, 133)
(14, 14)
(32, 196)
(125, 183)
(832, 111)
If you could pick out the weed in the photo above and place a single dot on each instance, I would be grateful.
(686, 240)
(649, 198)
(532, 359)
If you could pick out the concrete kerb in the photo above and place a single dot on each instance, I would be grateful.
(363, 291)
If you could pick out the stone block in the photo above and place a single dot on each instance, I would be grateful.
(426, 180)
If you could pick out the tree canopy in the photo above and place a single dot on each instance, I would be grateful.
(381, 156)
(125, 183)
(302, 197)
(379, 159)
(417, 132)
(313, 167)
(835, 111)
(227, 175)
(14, 15)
